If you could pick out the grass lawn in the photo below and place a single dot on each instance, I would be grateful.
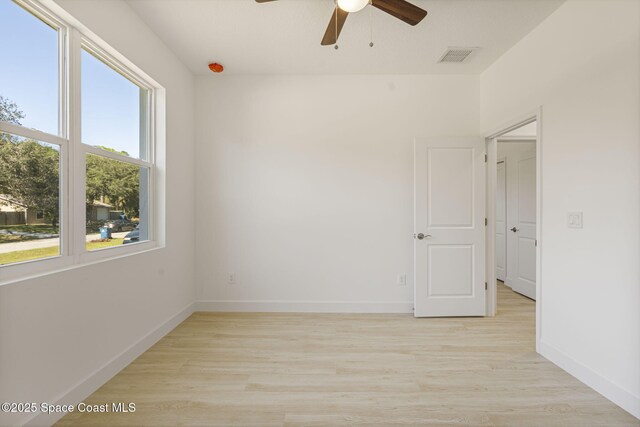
(20, 256)
(99, 245)
(8, 238)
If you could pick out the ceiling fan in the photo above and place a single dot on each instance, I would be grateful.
(400, 9)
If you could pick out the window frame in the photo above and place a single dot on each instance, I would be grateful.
(73, 37)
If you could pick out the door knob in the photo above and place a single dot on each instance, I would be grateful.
(421, 236)
(514, 229)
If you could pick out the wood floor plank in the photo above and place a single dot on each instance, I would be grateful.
(297, 369)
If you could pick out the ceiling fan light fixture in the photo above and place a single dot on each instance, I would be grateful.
(352, 5)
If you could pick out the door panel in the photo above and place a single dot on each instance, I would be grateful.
(501, 221)
(525, 277)
(527, 251)
(450, 189)
(527, 190)
(450, 270)
(449, 211)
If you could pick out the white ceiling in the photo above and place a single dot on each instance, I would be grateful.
(283, 37)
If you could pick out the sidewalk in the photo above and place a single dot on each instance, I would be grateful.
(46, 243)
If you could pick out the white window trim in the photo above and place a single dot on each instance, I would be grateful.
(32, 134)
(73, 37)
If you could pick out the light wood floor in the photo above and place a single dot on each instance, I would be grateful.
(358, 369)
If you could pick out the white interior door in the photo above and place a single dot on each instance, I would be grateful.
(524, 227)
(501, 220)
(449, 244)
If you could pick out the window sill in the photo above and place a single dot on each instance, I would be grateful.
(11, 274)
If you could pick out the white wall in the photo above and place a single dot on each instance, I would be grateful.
(58, 331)
(582, 66)
(305, 186)
(509, 152)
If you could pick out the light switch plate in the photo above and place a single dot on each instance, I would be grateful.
(402, 280)
(574, 219)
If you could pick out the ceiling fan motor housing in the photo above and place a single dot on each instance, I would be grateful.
(352, 5)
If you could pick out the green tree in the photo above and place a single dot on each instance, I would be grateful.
(29, 170)
(29, 173)
(113, 182)
(9, 111)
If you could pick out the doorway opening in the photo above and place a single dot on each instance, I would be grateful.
(513, 213)
(516, 210)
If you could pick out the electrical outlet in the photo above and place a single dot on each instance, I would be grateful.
(402, 280)
(231, 278)
(574, 219)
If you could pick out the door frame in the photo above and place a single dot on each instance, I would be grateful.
(491, 139)
(504, 161)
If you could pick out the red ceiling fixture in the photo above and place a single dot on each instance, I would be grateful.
(216, 68)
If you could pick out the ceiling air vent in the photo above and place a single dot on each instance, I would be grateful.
(457, 54)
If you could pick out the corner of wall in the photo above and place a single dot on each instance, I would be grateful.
(621, 397)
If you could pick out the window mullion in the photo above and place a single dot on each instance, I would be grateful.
(66, 214)
(63, 75)
(77, 179)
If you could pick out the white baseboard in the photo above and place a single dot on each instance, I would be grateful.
(100, 376)
(306, 306)
(621, 397)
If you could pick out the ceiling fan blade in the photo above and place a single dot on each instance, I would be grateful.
(401, 9)
(264, 1)
(338, 17)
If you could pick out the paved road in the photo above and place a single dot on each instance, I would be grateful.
(46, 243)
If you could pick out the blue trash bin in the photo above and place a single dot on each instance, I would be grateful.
(105, 233)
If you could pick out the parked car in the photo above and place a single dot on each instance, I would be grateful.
(122, 224)
(132, 236)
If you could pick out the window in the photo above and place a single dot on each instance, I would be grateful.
(121, 188)
(76, 172)
(30, 161)
(114, 109)
(115, 123)
(29, 181)
(30, 76)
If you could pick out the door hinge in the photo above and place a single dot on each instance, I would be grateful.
(486, 286)
(486, 222)
(536, 243)
(485, 158)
